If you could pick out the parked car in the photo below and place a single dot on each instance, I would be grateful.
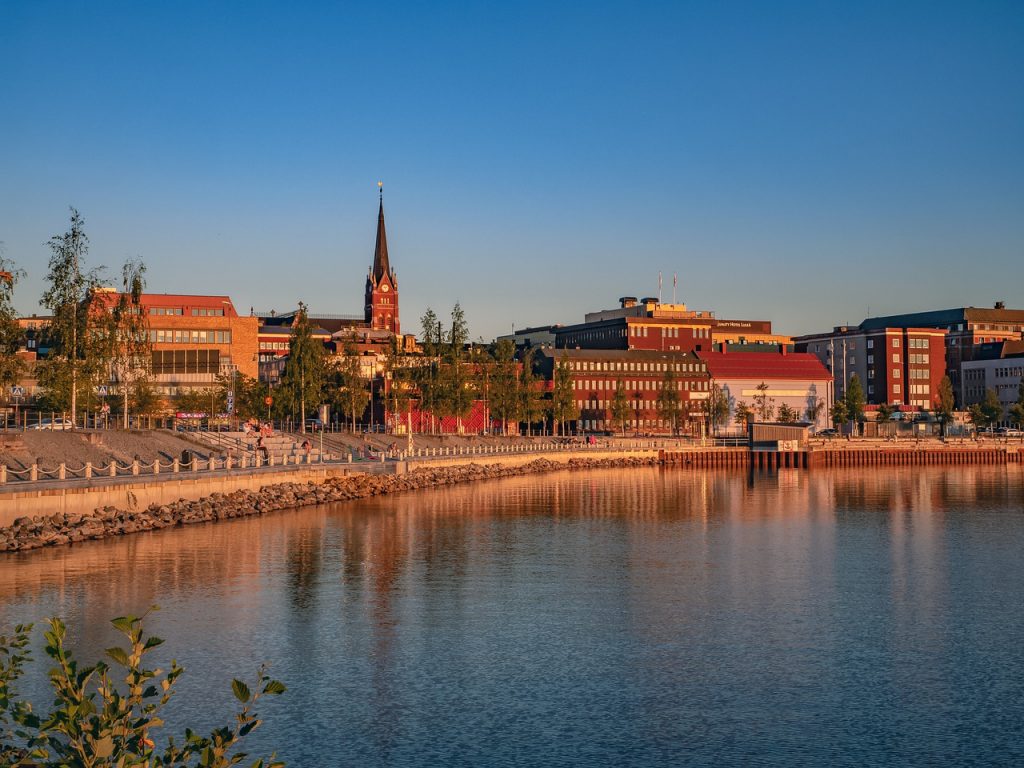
(827, 432)
(53, 424)
(1009, 432)
(314, 424)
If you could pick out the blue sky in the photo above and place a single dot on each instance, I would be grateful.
(800, 162)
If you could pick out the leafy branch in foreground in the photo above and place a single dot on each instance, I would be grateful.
(103, 715)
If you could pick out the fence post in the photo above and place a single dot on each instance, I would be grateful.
(112, 469)
(227, 462)
(213, 463)
(135, 466)
(62, 471)
(156, 466)
(88, 470)
(175, 466)
(33, 473)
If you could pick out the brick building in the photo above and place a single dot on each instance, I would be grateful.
(650, 325)
(901, 366)
(967, 329)
(595, 377)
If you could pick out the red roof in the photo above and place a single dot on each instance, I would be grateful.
(764, 365)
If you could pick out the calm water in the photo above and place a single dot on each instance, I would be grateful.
(593, 618)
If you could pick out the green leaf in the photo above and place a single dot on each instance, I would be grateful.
(124, 623)
(274, 688)
(241, 691)
(153, 642)
(119, 655)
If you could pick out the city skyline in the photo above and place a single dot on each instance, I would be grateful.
(807, 166)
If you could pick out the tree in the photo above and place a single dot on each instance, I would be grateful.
(530, 392)
(505, 402)
(839, 414)
(743, 414)
(667, 401)
(427, 376)
(563, 398)
(988, 412)
(815, 406)
(764, 406)
(107, 714)
(884, 412)
(349, 393)
(11, 366)
(68, 297)
(855, 401)
(716, 407)
(787, 414)
(1017, 409)
(620, 405)
(126, 344)
(944, 404)
(305, 371)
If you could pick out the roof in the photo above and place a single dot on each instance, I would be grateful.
(381, 266)
(765, 365)
(946, 317)
(614, 354)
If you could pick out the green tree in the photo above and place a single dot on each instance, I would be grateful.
(348, 387)
(305, 370)
(764, 406)
(944, 404)
(563, 398)
(667, 401)
(108, 714)
(11, 366)
(504, 398)
(990, 409)
(1017, 409)
(743, 414)
(530, 392)
(855, 400)
(71, 360)
(715, 407)
(125, 335)
(787, 414)
(884, 413)
(840, 415)
(620, 405)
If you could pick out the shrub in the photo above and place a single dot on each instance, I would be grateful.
(104, 715)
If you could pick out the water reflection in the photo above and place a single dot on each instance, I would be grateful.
(630, 617)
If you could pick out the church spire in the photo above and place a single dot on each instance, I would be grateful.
(381, 266)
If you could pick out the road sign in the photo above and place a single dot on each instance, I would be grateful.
(101, 390)
(268, 401)
(17, 391)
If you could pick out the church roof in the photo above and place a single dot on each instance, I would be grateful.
(381, 266)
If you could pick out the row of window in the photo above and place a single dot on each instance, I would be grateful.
(641, 384)
(159, 336)
(196, 311)
(275, 345)
(586, 365)
(186, 361)
(918, 358)
(1005, 373)
(920, 389)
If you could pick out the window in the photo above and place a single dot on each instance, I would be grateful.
(895, 373)
(871, 359)
(895, 343)
(896, 357)
(896, 388)
(871, 343)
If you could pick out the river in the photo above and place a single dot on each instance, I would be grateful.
(607, 617)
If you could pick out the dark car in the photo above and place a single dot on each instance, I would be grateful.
(314, 424)
(827, 433)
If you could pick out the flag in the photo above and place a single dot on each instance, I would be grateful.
(674, 279)
(659, 281)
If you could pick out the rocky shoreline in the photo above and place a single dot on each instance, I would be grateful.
(60, 529)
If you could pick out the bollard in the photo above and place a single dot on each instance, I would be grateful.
(244, 461)
(113, 469)
(33, 473)
(62, 471)
(156, 466)
(3, 474)
(88, 470)
(194, 464)
(213, 463)
(227, 462)
(135, 466)
(350, 458)
(175, 466)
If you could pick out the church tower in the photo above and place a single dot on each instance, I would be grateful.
(382, 283)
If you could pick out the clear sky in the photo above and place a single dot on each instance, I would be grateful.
(800, 162)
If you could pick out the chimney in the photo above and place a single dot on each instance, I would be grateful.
(1000, 305)
(627, 301)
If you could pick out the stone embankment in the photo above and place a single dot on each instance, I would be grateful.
(52, 530)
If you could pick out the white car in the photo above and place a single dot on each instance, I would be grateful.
(53, 424)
